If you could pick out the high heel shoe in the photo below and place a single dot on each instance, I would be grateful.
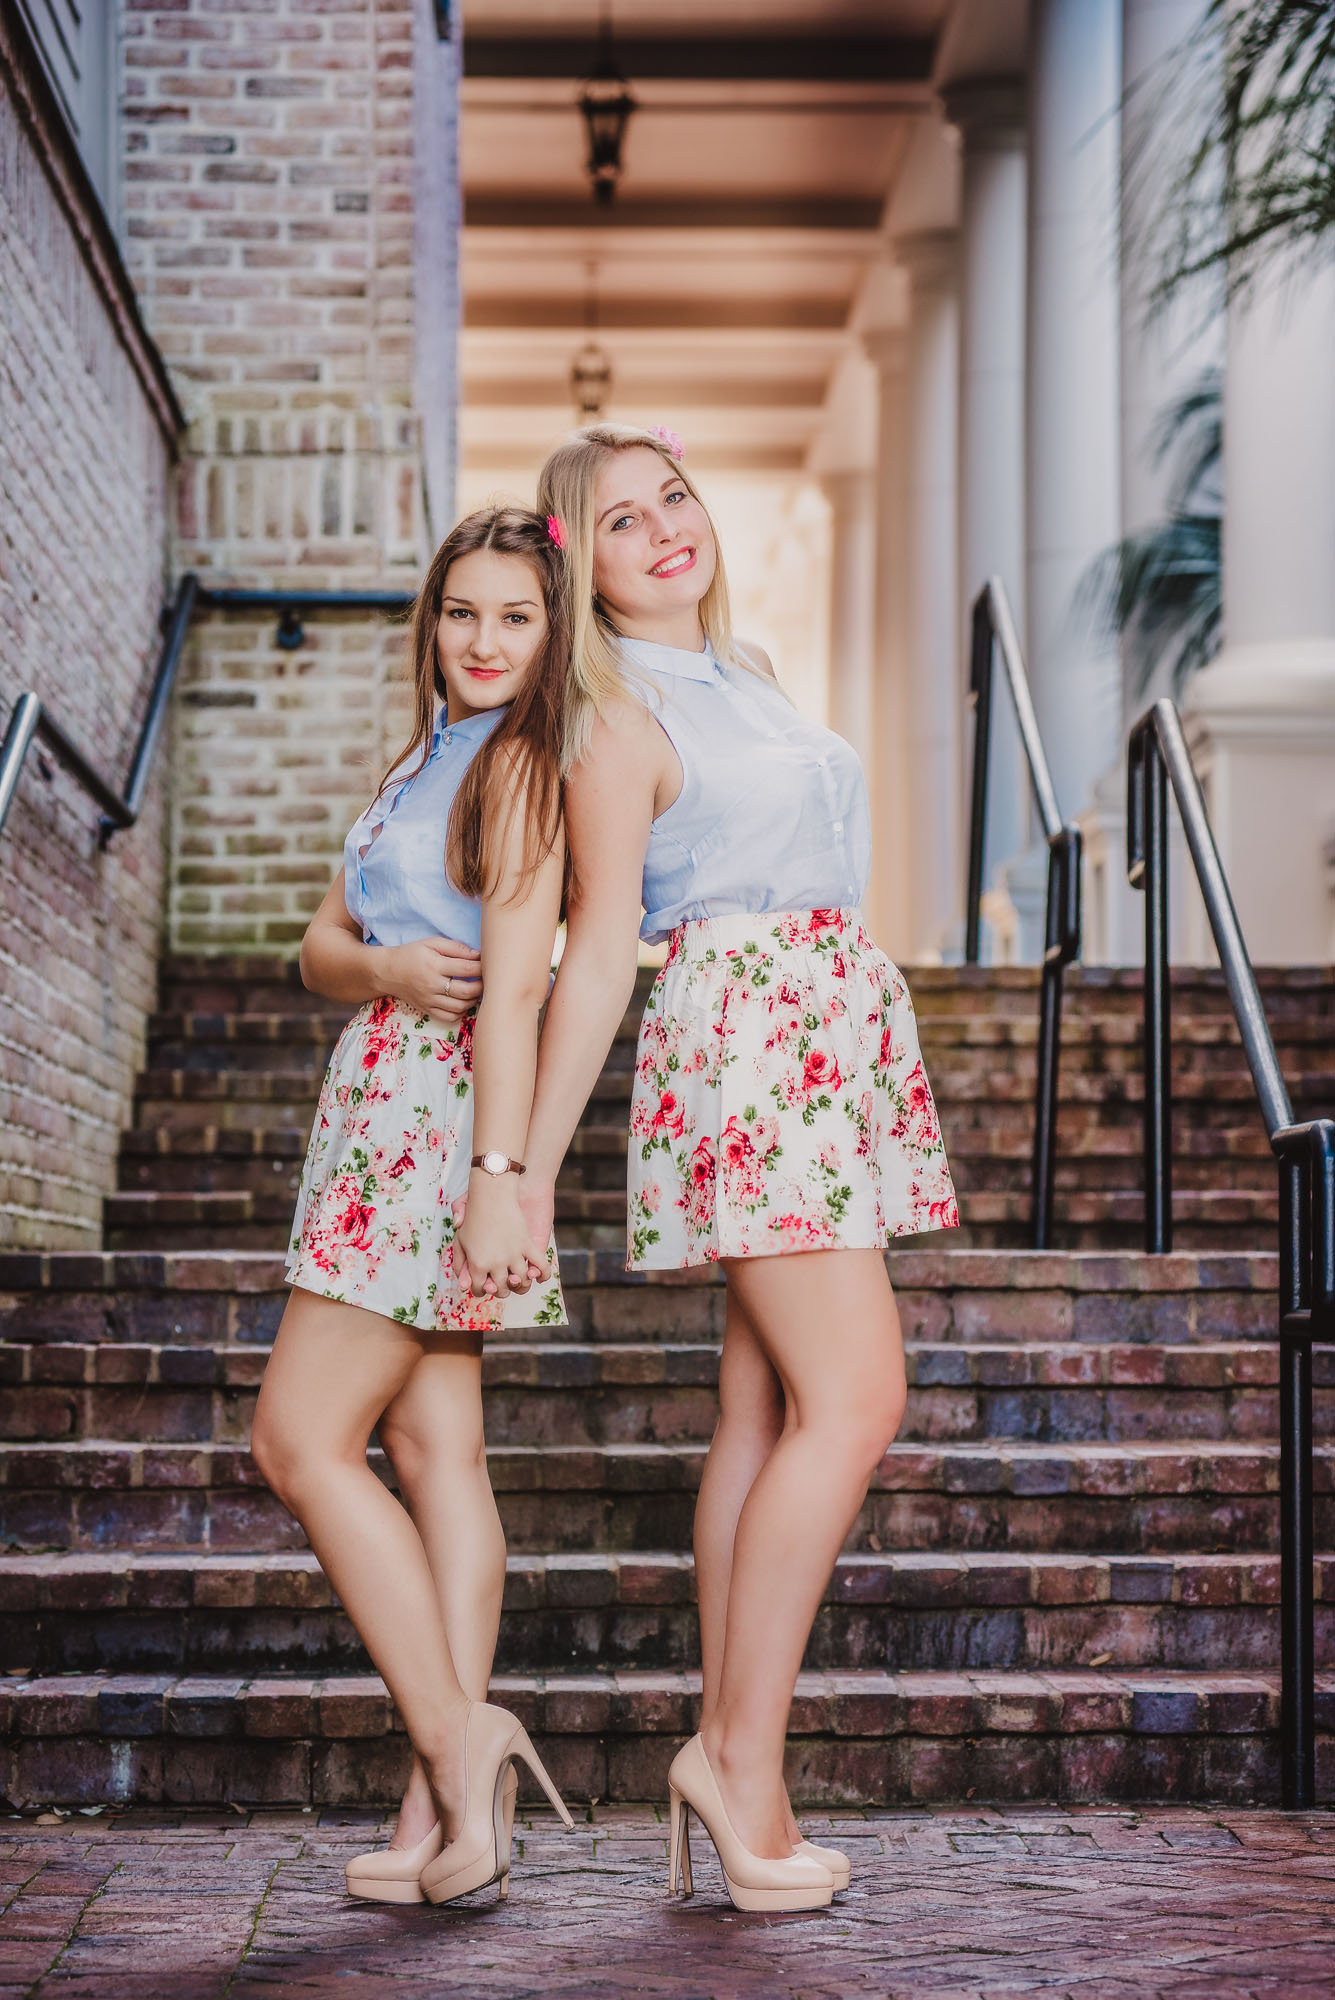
(841, 1870)
(754, 1881)
(393, 1874)
(480, 1851)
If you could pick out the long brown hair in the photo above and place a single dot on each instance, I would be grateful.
(524, 749)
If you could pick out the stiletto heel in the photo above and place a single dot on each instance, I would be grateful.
(480, 1851)
(524, 1748)
(679, 1845)
(754, 1881)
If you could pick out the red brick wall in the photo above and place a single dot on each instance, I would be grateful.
(268, 209)
(84, 475)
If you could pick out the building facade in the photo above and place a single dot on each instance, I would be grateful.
(286, 279)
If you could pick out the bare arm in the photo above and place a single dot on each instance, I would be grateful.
(630, 772)
(336, 963)
(519, 922)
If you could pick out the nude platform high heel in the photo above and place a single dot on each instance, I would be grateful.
(754, 1881)
(838, 1863)
(480, 1851)
(393, 1874)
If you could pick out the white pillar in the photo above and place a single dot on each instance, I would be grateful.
(931, 714)
(889, 915)
(990, 117)
(851, 493)
(1161, 357)
(1072, 396)
(1262, 717)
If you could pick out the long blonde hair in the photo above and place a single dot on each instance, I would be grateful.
(566, 488)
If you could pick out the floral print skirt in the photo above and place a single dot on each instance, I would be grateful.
(780, 1101)
(388, 1159)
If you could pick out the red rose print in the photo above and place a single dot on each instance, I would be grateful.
(820, 1071)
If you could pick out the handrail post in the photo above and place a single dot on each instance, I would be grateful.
(1297, 1654)
(980, 685)
(173, 641)
(1158, 1004)
(22, 727)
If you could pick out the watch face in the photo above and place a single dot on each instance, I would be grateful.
(495, 1163)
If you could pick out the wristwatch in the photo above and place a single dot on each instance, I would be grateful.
(497, 1164)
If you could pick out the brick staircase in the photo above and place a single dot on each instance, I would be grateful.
(1063, 1584)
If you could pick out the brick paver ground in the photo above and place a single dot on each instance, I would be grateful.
(1093, 1903)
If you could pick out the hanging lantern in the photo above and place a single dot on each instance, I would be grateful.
(605, 105)
(591, 381)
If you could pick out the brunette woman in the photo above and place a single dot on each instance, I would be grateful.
(781, 1121)
(423, 1105)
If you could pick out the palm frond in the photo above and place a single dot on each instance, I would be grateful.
(1237, 146)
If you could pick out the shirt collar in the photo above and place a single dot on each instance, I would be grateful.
(670, 659)
(471, 729)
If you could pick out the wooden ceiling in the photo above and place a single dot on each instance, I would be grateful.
(757, 164)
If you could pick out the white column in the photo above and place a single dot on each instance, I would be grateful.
(889, 916)
(1161, 357)
(1262, 716)
(931, 685)
(990, 117)
(851, 493)
(1072, 395)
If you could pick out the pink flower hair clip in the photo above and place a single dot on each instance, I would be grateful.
(556, 530)
(669, 439)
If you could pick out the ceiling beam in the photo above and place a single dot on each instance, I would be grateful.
(668, 313)
(704, 457)
(716, 393)
(768, 58)
(489, 211)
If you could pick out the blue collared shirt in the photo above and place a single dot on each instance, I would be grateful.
(772, 813)
(394, 856)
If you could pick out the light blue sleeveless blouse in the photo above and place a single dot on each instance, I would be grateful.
(772, 813)
(395, 883)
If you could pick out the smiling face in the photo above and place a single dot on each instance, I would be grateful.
(492, 625)
(654, 552)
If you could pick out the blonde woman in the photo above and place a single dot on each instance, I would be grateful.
(424, 1103)
(781, 1121)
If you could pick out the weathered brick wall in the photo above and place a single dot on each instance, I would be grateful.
(85, 436)
(269, 227)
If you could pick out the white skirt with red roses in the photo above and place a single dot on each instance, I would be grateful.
(780, 1101)
(388, 1159)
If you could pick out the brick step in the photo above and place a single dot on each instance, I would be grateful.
(979, 1168)
(595, 1221)
(655, 1393)
(945, 1293)
(136, 1613)
(1217, 1496)
(866, 1738)
(235, 1099)
(202, 984)
(223, 1040)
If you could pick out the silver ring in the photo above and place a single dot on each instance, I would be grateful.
(449, 986)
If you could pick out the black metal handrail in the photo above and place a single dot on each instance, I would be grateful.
(30, 718)
(993, 631)
(1158, 756)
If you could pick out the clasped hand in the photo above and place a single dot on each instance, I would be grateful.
(494, 1249)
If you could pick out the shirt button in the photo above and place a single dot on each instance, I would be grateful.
(838, 826)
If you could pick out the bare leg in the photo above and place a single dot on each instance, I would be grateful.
(750, 1425)
(333, 1370)
(827, 1323)
(433, 1434)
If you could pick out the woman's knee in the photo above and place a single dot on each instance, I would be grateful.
(420, 1455)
